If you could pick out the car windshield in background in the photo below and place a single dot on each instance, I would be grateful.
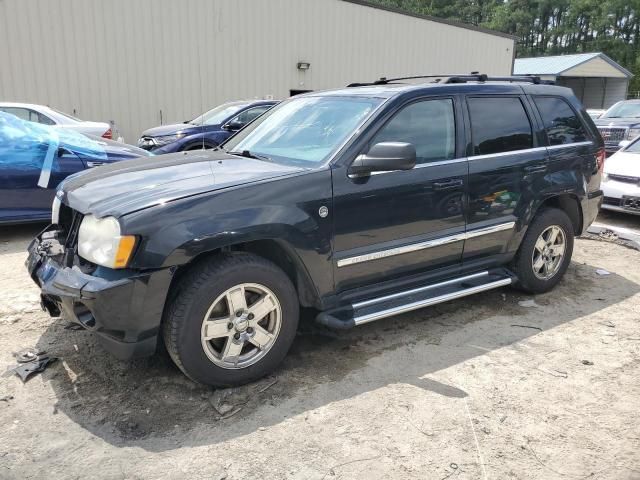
(304, 130)
(66, 115)
(218, 115)
(634, 147)
(623, 110)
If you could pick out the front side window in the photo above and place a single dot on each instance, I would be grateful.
(304, 130)
(560, 121)
(250, 114)
(428, 125)
(499, 124)
(21, 113)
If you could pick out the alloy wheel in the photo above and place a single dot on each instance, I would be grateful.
(548, 252)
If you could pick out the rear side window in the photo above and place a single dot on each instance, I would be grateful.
(499, 125)
(429, 125)
(560, 121)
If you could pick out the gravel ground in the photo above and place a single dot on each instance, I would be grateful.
(493, 386)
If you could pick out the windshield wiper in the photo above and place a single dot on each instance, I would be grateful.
(248, 154)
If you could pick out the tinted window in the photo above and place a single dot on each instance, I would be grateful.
(428, 125)
(251, 114)
(43, 119)
(560, 121)
(499, 125)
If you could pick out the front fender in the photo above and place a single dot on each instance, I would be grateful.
(283, 209)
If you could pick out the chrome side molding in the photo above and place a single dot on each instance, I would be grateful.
(414, 247)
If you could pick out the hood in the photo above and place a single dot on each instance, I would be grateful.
(117, 150)
(617, 122)
(170, 129)
(623, 163)
(124, 187)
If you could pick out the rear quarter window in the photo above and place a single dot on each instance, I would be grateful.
(499, 124)
(560, 121)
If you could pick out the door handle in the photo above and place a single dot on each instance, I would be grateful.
(448, 184)
(536, 168)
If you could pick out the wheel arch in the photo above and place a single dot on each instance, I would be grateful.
(276, 251)
(569, 204)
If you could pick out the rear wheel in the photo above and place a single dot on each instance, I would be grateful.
(232, 320)
(545, 252)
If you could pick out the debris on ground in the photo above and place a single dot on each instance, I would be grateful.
(526, 326)
(587, 362)
(528, 303)
(6, 398)
(30, 361)
(602, 271)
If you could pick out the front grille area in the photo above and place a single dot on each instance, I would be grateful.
(69, 224)
(613, 134)
(624, 178)
(611, 201)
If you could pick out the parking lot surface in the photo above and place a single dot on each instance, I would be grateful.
(500, 385)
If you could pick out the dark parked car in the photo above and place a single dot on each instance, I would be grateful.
(618, 123)
(206, 131)
(35, 158)
(360, 203)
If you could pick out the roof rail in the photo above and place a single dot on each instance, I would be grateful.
(455, 78)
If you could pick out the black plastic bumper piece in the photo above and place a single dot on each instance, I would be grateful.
(122, 307)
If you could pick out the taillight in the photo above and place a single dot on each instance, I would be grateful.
(108, 134)
(600, 157)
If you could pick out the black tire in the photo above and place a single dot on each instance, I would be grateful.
(195, 293)
(523, 262)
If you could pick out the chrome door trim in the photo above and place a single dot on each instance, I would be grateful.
(566, 145)
(529, 150)
(414, 247)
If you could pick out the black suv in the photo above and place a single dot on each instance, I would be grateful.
(360, 203)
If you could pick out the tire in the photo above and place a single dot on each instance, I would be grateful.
(526, 265)
(209, 290)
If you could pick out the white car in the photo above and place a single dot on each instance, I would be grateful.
(621, 179)
(595, 112)
(49, 116)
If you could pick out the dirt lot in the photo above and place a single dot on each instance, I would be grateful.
(473, 389)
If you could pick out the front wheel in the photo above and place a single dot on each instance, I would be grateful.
(232, 320)
(545, 252)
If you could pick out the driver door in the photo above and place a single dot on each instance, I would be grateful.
(398, 223)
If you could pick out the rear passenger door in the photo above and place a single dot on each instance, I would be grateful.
(571, 149)
(507, 163)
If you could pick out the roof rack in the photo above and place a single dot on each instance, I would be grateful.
(455, 78)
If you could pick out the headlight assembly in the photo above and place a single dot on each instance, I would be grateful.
(100, 242)
(167, 139)
(633, 133)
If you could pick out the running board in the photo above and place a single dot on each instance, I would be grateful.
(424, 296)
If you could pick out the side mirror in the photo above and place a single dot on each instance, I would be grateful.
(385, 156)
(624, 143)
(233, 126)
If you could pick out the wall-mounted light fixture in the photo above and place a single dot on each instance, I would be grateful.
(304, 65)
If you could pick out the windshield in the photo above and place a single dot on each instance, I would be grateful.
(218, 115)
(634, 147)
(623, 109)
(305, 130)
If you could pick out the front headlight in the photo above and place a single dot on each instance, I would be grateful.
(167, 139)
(633, 133)
(100, 242)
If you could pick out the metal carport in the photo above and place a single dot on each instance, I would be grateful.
(597, 81)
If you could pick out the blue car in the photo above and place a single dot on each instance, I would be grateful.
(206, 131)
(35, 158)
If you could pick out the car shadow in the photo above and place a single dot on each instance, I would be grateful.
(150, 404)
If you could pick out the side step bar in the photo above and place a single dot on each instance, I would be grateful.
(396, 303)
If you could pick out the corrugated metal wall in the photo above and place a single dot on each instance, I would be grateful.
(597, 92)
(128, 60)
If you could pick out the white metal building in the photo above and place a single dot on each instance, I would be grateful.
(597, 81)
(146, 62)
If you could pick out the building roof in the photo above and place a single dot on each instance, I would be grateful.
(466, 26)
(557, 65)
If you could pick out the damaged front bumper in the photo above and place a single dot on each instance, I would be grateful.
(122, 307)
